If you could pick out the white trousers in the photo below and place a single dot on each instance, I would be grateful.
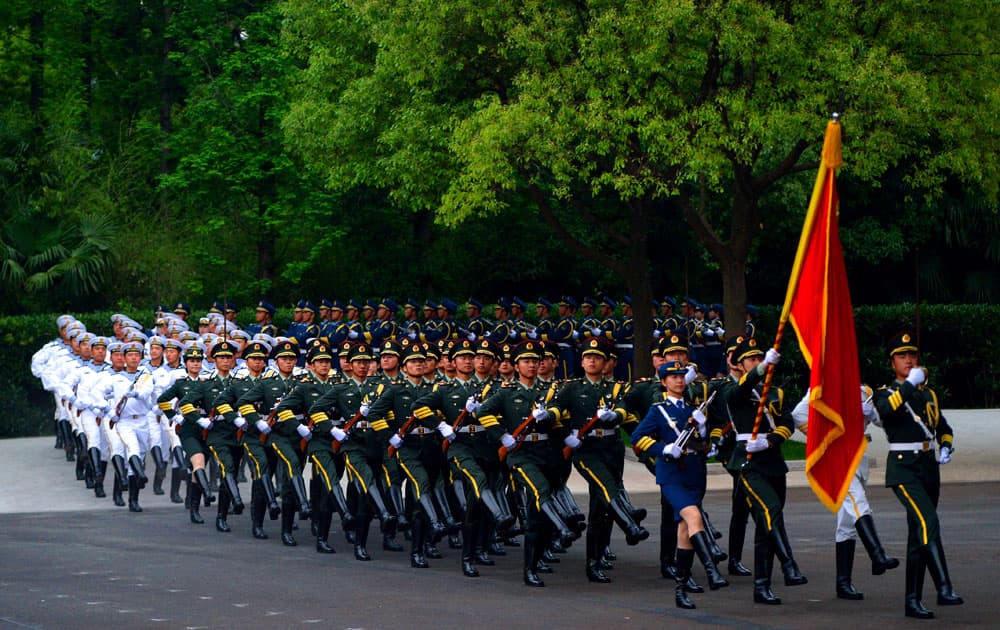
(855, 504)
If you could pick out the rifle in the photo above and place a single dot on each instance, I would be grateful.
(403, 430)
(459, 421)
(518, 432)
(347, 429)
(271, 420)
(584, 430)
(689, 430)
(204, 432)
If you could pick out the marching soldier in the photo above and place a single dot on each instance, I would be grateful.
(762, 469)
(131, 396)
(591, 408)
(516, 419)
(289, 434)
(676, 434)
(361, 448)
(914, 425)
(199, 408)
(262, 399)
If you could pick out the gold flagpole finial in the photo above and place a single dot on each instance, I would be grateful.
(832, 155)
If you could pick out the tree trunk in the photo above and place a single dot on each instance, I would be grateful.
(734, 294)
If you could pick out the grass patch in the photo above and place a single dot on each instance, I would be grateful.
(793, 450)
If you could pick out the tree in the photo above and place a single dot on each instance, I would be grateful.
(608, 116)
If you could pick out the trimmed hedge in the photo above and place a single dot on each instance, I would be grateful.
(955, 348)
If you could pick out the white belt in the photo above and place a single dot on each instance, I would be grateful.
(744, 437)
(421, 431)
(912, 446)
(564, 345)
(601, 433)
(362, 424)
(471, 429)
(536, 437)
(624, 345)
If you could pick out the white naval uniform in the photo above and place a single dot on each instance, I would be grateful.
(132, 424)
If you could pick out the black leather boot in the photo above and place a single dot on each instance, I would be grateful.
(194, 504)
(177, 476)
(418, 535)
(845, 566)
(257, 510)
(638, 514)
(737, 534)
(324, 518)
(361, 539)
(138, 470)
(595, 554)
(881, 562)
(436, 529)
(502, 518)
(299, 487)
(468, 544)
(89, 471)
(133, 495)
(702, 544)
(102, 470)
(915, 567)
(385, 517)
(938, 568)
(116, 491)
(685, 559)
(233, 490)
(634, 533)
(220, 517)
(201, 478)
(441, 496)
(566, 535)
(59, 435)
(762, 563)
(287, 517)
(396, 497)
(340, 504)
(783, 551)
(531, 542)
(160, 469)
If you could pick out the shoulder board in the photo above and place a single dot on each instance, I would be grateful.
(645, 379)
(269, 374)
(507, 386)
(304, 378)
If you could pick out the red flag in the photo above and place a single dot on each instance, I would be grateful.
(818, 305)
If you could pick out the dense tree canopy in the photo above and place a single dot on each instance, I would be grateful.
(357, 147)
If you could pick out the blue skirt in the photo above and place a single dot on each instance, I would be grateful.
(685, 485)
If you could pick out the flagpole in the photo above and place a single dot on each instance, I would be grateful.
(830, 158)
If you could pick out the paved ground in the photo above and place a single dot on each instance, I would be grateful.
(70, 560)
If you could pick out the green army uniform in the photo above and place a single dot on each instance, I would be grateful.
(438, 410)
(190, 436)
(598, 456)
(261, 398)
(362, 449)
(286, 442)
(912, 419)
(762, 474)
(391, 478)
(220, 439)
(416, 453)
(532, 459)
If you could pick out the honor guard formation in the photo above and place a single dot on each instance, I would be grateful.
(466, 433)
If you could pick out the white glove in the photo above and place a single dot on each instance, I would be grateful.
(945, 455)
(262, 426)
(757, 444)
(656, 334)
(597, 332)
(364, 409)
(396, 441)
(712, 452)
(446, 431)
(338, 434)
(916, 376)
(178, 418)
(540, 414)
(672, 451)
(699, 417)
(71, 400)
(720, 332)
(352, 334)
(412, 335)
(241, 422)
(205, 423)
(709, 332)
(606, 416)
(572, 441)
(576, 334)
(508, 440)
(129, 394)
(867, 409)
(471, 404)
(532, 335)
(513, 334)
(471, 336)
(690, 374)
(771, 358)
(304, 431)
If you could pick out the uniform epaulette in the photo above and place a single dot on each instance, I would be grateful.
(269, 373)
(645, 379)
(506, 385)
